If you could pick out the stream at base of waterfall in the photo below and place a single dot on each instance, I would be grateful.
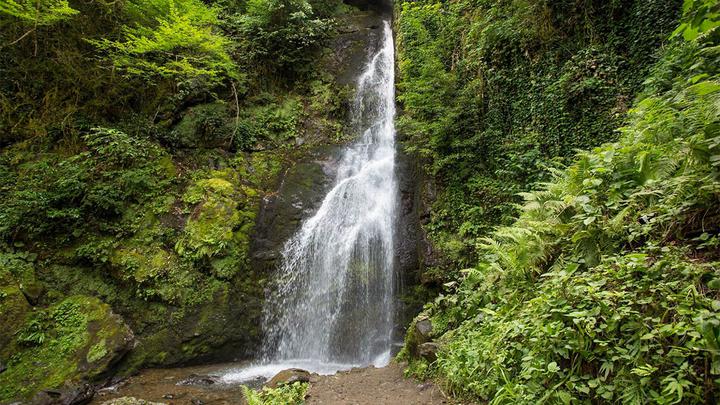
(332, 305)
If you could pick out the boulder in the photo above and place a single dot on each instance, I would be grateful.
(130, 401)
(289, 376)
(428, 351)
(68, 395)
(423, 328)
(420, 332)
(81, 344)
(196, 379)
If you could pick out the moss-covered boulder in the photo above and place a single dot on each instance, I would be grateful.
(14, 308)
(70, 343)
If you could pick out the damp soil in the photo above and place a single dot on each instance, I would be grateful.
(370, 385)
(187, 385)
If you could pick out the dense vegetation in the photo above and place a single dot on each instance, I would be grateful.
(572, 158)
(496, 92)
(605, 287)
(138, 138)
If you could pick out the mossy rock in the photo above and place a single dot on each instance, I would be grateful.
(14, 308)
(70, 343)
(226, 327)
(18, 269)
(419, 332)
(130, 401)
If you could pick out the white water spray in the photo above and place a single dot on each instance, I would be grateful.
(333, 305)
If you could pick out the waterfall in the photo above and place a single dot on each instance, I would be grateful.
(332, 307)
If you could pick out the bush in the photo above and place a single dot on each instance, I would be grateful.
(289, 394)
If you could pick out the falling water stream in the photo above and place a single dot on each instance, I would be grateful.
(332, 307)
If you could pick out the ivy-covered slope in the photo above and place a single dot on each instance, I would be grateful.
(138, 139)
(605, 289)
(494, 92)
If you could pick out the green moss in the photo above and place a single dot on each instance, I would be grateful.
(18, 269)
(97, 352)
(14, 309)
(223, 205)
(74, 339)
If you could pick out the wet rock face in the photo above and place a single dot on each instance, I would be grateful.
(360, 33)
(302, 187)
(408, 236)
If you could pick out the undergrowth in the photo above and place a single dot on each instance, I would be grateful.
(496, 93)
(606, 288)
(288, 394)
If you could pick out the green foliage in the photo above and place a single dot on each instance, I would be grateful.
(62, 196)
(217, 228)
(180, 44)
(604, 289)
(496, 92)
(700, 16)
(35, 12)
(289, 394)
(280, 37)
(206, 125)
(275, 122)
(54, 339)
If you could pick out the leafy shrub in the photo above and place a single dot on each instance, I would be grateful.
(180, 44)
(289, 394)
(43, 12)
(278, 36)
(55, 195)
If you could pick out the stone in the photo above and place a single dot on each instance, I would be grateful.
(70, 395)
(423, 327)
(14, 309)
(428, 351)
(289, 376)
(196, 379)
(130, 401)
(420, 332)
(100, 339)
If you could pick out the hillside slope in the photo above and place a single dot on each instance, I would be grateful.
(605, 288)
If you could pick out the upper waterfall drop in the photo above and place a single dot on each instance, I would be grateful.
(333, 304)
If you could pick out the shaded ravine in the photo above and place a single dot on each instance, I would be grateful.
(333, 303)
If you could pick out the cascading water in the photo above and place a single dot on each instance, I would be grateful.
(333, 305)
